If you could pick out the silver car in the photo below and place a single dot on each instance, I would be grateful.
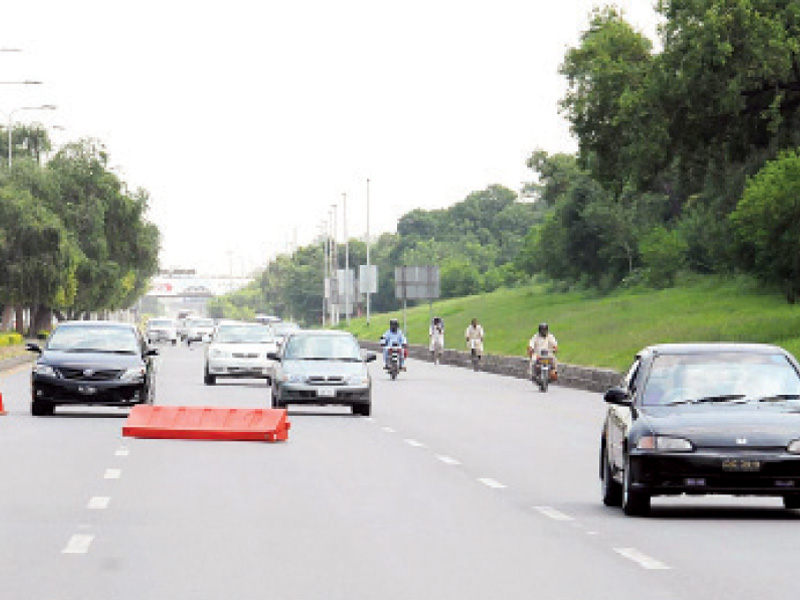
(239, 350)
(322, 368)
(161, 330)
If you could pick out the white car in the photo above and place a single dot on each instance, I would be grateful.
(161, 330)
(198, 328)
(240, 350)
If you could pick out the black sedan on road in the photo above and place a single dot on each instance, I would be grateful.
(703, 419)
(98, 363)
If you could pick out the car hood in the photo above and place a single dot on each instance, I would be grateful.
(735, 425)
(85, 360)
(324, 368)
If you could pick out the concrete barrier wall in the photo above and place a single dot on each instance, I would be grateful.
(573, 376)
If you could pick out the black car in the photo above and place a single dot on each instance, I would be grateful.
(703, 419)
(92, 363)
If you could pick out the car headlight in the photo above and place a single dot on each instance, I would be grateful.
(44, 370)
(357, 380)
(794, 447)
(136, 374)
(662, 443)
(218, 353)
(292, 378)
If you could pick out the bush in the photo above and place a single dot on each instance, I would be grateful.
(663, 254)
(10, 339)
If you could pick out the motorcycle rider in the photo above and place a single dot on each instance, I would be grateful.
(474, 335)
(394, 336)
(542, 340)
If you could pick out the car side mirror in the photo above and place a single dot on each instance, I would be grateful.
(370, 357)
(618, 396)
(31, 347)
(274, 356)
(151, 352)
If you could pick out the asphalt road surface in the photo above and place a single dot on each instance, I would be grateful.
(462, 485)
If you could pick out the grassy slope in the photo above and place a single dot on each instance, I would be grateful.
(608, 331)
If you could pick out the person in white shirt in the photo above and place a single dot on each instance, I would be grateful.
(474, 335)
(436, 335)
(542, 340)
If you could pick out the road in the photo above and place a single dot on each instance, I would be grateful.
(462, 485)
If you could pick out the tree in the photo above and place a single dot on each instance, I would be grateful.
(767, 223)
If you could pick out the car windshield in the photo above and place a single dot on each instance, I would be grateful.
(244, 334)
(93, 339)
(723, 377)
(284, 329)
(322, 347)
(161, 323)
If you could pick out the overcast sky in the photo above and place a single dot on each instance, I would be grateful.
(247, 120)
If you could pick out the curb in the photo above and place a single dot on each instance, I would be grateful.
(9, 363)
(572, 376)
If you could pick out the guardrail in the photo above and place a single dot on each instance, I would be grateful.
(573, 376)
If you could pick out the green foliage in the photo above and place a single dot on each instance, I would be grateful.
(767, 223)
(663, 256)
(10, 339)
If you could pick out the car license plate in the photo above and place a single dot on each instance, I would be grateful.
(326, 392)
(741, 464)
(87, 389)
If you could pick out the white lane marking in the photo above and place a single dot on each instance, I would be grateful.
(552, 513)
(113, 473)
(98, 503)
(448, 460)
(641, 559)
(487, 481)
(389, 430)
(78, 544)
(122, 451)
(370, 419)
(415, 443)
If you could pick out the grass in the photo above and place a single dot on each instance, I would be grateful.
(607, 331)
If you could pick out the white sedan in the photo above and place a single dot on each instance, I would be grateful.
(240, 350)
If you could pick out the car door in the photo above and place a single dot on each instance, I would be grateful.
(620, 418)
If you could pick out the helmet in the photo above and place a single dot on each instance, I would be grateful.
(394, 324)
(543, 329)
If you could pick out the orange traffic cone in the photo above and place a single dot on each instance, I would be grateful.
(2, 410)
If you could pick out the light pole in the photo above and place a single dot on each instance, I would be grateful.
(347, 278)
(334, 266)
(368, 271)
(11, 122)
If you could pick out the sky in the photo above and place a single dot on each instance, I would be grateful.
(251, 122)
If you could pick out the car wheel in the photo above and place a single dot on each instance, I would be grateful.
(634, 502)
(208, 378)
(363, 410)
(42, 408)
(791, 501)
(610, 489)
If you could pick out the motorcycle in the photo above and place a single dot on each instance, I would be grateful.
(543, 370)
(394, 360)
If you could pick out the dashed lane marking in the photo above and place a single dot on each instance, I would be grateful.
(389, 430)
(448, 460)
(642, 560)
(552, 513)
(98, 503)
(415, 443)
(78, 544)
(492, 483)
(113, 474)
(122, 451)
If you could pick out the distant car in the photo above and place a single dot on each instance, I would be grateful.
(703, 419)
(282, 329)
(322, 368)
(239, 350)
(266, 319)
(198, 329)
(161, 330)
(99, 363)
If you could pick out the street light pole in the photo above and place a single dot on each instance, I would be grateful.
(347, 278)
(369, 273)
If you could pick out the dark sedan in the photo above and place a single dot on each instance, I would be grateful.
(703, 419)
(92, 363)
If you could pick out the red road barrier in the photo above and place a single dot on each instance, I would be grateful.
(2, 410)
(207, 423)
